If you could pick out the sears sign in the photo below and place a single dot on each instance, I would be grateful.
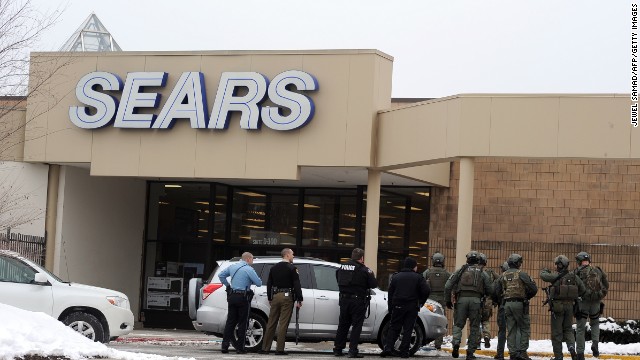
(188, 100)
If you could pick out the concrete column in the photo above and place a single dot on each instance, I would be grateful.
(465, 210)
(372, 221)
(51, 215)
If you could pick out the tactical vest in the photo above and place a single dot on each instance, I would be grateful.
(437, 278)
(512, 285)
(345, 274)
(565, 288)
(471, 280)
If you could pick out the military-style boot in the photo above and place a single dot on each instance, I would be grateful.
(572, 351)
(522, 355)
(580, 356)
(456, 351)
(470, 355)
(499, 356)
(594, 349)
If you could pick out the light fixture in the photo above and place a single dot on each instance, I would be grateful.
(311, 221)
(402, 207)
(348, 229)
(345, 235)
(249, 193)
(396, 224)
(203, 230)
(421, 242)
(254, 226)
(163, 203)
(202, 202)
(172, 186)
(422, 193)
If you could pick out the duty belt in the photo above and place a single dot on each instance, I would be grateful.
(514, 300)
(281, 290)
(234, 291)
(352, 296)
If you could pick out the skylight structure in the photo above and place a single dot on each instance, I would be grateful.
(92, 35)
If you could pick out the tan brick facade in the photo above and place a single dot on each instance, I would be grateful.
(544, 208)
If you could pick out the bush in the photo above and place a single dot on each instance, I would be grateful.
(618, 332)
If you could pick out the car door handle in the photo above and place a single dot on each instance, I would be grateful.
(322, 298)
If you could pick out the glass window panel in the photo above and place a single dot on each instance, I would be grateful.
(347, 221)
(219, 215)
(14, 270)
(317, 226)
(283, 216)
(391, 231)
(325, 277)
(178, 212)
(248, 218)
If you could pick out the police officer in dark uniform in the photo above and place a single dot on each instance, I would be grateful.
(354, 281)
(407, 294)
(283, 290)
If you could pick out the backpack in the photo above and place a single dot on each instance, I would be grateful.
(565, 288)
(471, 280)
(592, 278)
(436, 278)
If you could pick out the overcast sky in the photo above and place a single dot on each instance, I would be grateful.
(439, 48)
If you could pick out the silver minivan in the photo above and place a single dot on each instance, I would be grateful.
(318, 317)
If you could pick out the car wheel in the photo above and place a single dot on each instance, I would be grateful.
(415, 343)
(87, 325)
(255, 333)
(195, 285)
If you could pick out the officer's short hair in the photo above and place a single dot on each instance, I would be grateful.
(357, 254)
(285, 251)
(247, 256)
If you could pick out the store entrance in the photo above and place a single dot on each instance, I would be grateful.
(191, 226)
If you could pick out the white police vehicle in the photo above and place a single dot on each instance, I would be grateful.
(318, 318)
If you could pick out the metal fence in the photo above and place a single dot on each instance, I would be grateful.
(29, 246)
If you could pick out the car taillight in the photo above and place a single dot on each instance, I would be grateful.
(209, 289)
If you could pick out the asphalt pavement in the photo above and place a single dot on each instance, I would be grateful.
(193, 344)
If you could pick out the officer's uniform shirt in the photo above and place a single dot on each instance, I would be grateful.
(363, 279)
(243, 276)
(284, 275)
(407, 286)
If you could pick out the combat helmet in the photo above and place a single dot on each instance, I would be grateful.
(437, 259)
(504, 267)
(514, 261)
(583, 255)
(473, 257)
(483, 259)
(562, 262)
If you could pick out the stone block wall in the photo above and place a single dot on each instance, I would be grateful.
(544, 208)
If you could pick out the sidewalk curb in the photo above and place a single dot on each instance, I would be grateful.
(492, 353)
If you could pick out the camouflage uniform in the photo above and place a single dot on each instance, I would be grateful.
(437, 277)
(468, 284)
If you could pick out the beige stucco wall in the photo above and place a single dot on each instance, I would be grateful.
(100, 226)
(537, 126)
(353, 86)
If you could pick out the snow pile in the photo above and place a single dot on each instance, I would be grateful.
(30, 333)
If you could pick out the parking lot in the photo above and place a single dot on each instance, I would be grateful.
(192, 344)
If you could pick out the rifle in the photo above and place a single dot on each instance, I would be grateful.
(548, 300)
(297, 323)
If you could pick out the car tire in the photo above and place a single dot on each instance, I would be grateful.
(87, 325)
(255, 333)
(195, 285)
(417, 337)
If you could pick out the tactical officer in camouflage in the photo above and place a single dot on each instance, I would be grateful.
(502, 325)
(437, 277)
(590, 305)
(487, 308)
(516, 287)
(564, 290)
(464, 290)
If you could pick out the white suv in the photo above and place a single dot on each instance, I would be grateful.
(97, 313)
(318, 319)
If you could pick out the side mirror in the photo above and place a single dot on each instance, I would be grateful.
(40, 279)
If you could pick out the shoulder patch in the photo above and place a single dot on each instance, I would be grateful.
(370, 271)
